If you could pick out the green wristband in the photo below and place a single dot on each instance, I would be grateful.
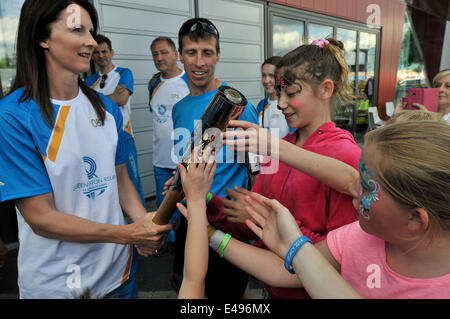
(224, 244)
(209, 197)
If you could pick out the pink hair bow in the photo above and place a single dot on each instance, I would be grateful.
(320, 42)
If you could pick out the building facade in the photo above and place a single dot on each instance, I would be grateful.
(250, 31)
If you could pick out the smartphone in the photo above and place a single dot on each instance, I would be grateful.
(425, 96)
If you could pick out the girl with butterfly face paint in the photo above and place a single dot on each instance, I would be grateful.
(368, 191)
(399, 246)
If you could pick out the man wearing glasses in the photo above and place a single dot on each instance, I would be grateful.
(117, 83)
(199, 52)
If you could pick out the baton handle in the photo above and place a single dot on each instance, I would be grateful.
(168, 206)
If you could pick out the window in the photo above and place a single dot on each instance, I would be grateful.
(366, 66)
(290, 26)
(411, 68)
(9, 21)
(348, 37)
(287, 35)
(317, 31)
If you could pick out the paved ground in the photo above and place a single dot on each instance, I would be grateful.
(154, 274)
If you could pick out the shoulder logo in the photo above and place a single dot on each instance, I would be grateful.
(96, 123)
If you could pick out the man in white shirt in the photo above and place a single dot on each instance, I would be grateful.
(118, 84)
(166, 88)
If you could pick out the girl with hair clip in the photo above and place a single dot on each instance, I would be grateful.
(398, 248)
(309, 80)
(63, 162)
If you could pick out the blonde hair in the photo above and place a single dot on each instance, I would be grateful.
(411, 163)
(414, 115)
(440, 75)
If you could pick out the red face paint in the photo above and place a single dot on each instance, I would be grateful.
(297, 103)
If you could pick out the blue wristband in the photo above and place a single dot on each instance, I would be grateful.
(293, 250)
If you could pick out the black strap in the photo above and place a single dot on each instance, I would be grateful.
(153, 81)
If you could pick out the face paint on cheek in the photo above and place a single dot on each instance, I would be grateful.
(297, 103)
(369, 185)
(367, 201)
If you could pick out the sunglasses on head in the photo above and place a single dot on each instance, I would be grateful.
(102, 82)
(205, 26)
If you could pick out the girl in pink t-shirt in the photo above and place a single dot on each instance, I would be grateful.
(399, 248)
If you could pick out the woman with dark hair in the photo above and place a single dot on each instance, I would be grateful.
(63, 161)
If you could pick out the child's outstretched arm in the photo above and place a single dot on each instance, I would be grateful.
(196, 182)
(280, 233)
(258, 140)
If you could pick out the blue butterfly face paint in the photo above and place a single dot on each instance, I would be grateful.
(369, 185)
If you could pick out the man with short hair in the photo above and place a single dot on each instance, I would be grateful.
(200, 52)
(166, 88)
(117, 83)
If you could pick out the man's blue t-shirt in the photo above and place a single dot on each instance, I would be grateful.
(229, 172)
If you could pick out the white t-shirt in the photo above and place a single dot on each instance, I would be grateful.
(271, 118)
(115, 77)
(166, 93)
(76, 161)
(446, 117)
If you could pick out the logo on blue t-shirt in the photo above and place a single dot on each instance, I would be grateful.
(162, 109)
(161, 118)
(95, 186)
(90, 168)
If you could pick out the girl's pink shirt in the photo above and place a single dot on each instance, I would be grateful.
(363, 264)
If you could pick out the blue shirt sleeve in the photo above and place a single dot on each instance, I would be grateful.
(126, 78)
(22, 173)
(90, 80)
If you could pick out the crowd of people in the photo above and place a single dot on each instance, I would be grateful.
(332, 221)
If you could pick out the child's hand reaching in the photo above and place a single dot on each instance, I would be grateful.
(197, 179)
(251, 138)
(278, 228)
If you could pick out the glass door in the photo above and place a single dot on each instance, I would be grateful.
(366, 65)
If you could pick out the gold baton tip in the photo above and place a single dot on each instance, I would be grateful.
(233, 95)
